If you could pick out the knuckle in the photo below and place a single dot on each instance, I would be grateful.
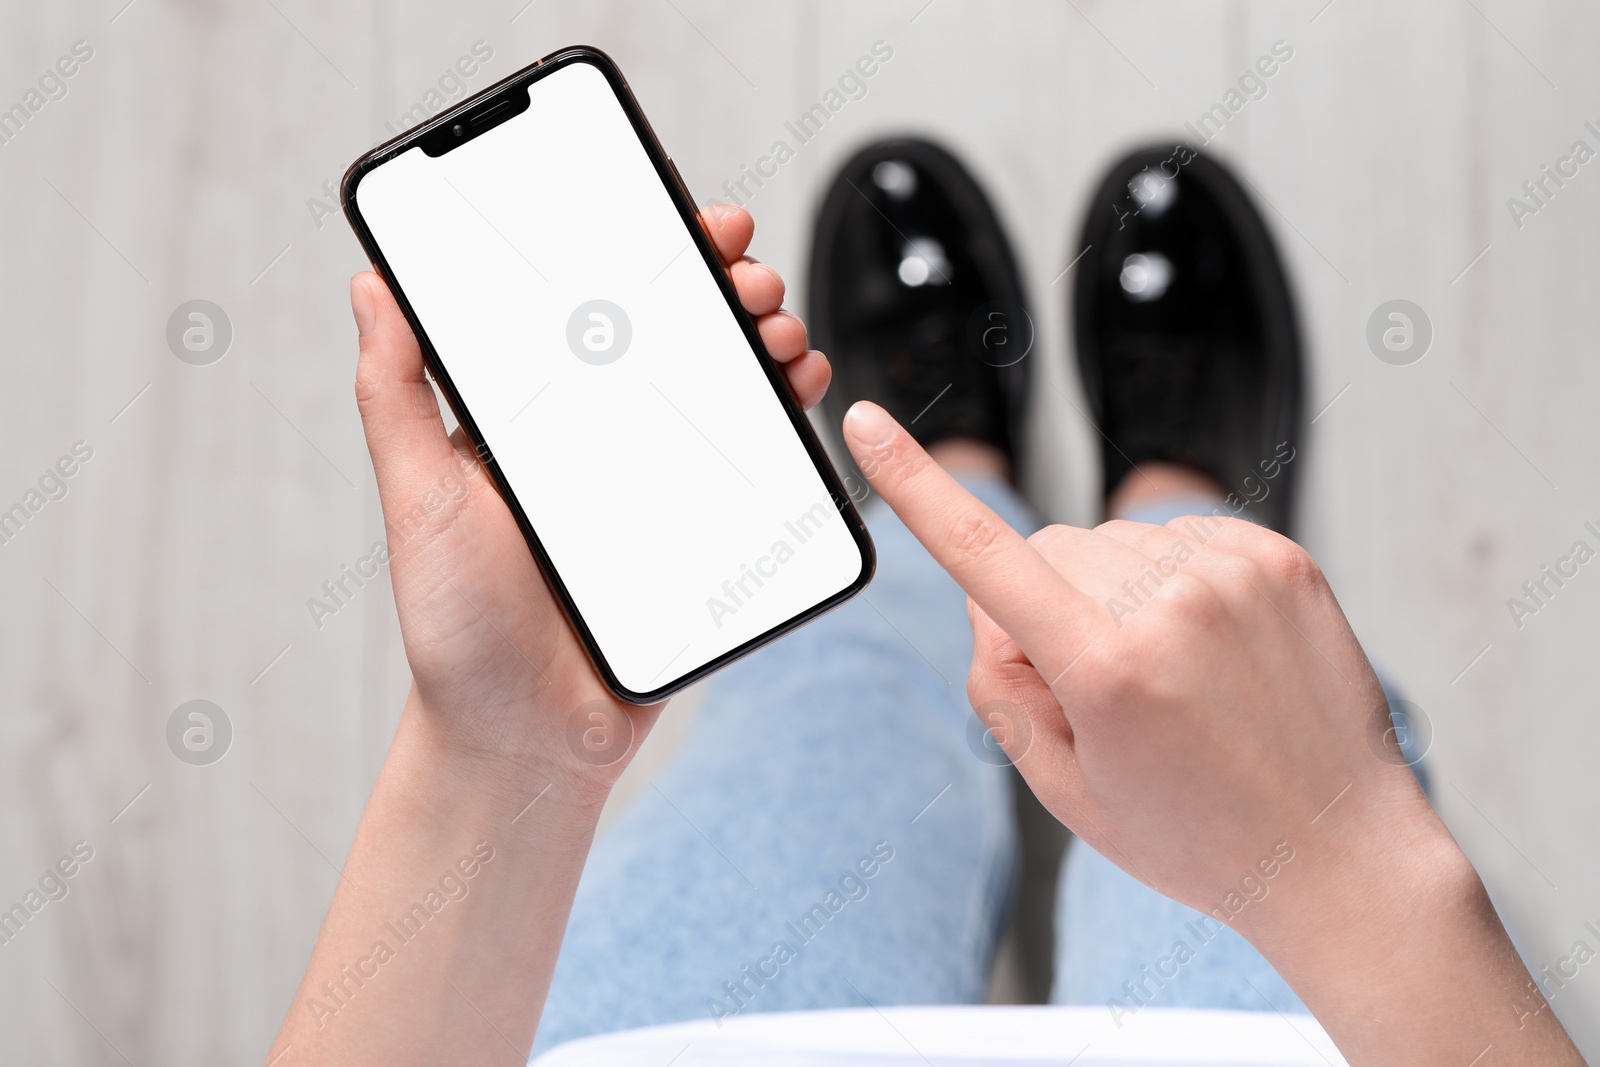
(1188, 605)
(1116, 673)
(978, 682)
(1191, 599)
(368, 386)
(878, 460)
(1242, 571)
(1048, 537)
(1286, 563)
(1111, 527)
(976, 538)
(996, 673)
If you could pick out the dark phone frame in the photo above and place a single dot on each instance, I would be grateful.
(489, 108)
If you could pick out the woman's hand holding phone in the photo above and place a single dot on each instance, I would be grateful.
(498, 672)
(483, 775)
(1217, 732)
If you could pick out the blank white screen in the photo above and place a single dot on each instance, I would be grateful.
(668, 486)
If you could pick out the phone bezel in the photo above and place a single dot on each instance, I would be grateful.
(482, 102)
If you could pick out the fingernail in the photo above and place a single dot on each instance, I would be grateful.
(869, 424)
(361, 305)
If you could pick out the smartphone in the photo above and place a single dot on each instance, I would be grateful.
(576, 317)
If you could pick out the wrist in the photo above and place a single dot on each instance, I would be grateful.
(1351, 890)
(1390, 939)
(480, 847)
(507, 758)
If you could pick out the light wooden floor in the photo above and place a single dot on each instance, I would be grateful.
(184, 163)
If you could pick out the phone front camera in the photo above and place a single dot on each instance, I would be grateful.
(458, 129)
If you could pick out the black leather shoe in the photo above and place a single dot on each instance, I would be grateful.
(1186, 331)
(915, 298)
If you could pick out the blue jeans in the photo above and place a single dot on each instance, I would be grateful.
(834, 833)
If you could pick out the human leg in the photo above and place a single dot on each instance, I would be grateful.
(845, 742)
